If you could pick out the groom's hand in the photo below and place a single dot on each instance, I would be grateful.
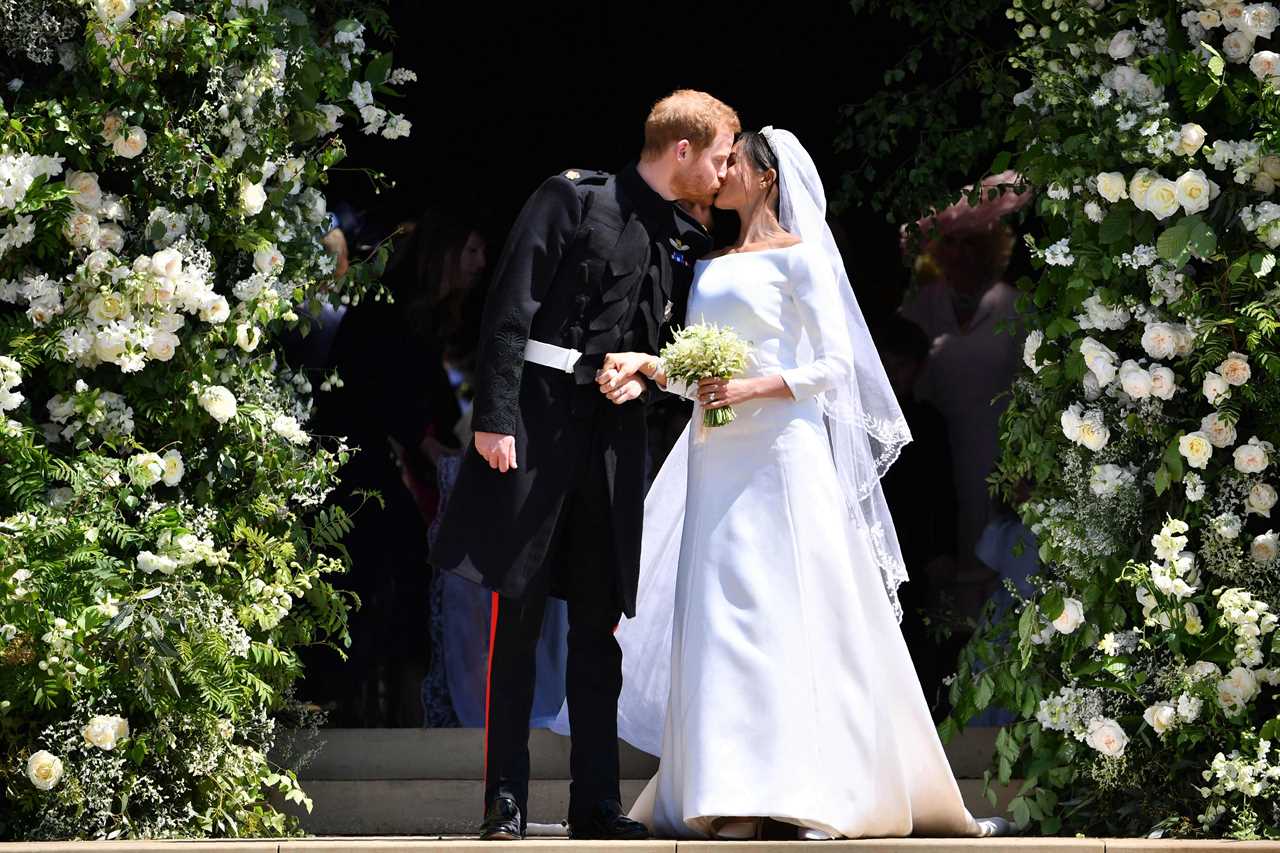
(497, 449)
(619, 368)
(621, 389)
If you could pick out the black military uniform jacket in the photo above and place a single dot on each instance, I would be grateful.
(597, 263)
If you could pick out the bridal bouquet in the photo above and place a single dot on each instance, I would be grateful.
(706, 351)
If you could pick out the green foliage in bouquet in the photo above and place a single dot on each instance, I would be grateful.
(164, 552)
(706, 351)
(1143, 670)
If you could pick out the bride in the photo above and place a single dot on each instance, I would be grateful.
(766, 666)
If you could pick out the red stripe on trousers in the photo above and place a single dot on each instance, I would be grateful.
(488, 685)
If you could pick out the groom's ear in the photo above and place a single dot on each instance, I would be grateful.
(684, 150)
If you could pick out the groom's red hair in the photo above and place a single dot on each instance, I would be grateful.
(686, 114)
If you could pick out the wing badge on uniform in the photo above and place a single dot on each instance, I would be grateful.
(678, 249)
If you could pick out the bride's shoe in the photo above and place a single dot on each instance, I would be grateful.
(990, 827)
(736, 828)
(805, 833)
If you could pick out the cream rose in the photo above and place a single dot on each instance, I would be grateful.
(1196, 448)
(1159, 340)
(1122, 44)
(215, 310)
(1250, 459)
(219, 402)
(1162, 198)
(1139, 185)
(252, 198)
(44, 769)
(110, 237)
(146, 469)
(1193, 191)
(1135, 380)
(1071, 617)
(1163, 383)
(1235, 369)
(101, 732)
(1161, 717)
(106, 307)
(1259, 20)
(131, 143)
(81, 229)
(268, 259)
(1264, 547)
(1237, 47)
(1264, 64)
(1093, 431)
(1260, 500)
(88, 195)
(112, 127)
(173, 467)
(163, 345)
(1190, 139)
(1264, 183)
(1221, 432)
(1112, 186)
(1215, 388)
(248, 336)
(1107, 737)
(1271, 165)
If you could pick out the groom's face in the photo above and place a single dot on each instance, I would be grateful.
(698, 175)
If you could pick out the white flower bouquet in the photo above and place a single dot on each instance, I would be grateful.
(706, 351)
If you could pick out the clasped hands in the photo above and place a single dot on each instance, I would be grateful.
(622, 379)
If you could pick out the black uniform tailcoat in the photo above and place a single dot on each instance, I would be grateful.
(598, 263)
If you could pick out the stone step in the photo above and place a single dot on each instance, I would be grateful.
(453, 807)
(458, 754)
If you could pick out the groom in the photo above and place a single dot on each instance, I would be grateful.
(551, 499)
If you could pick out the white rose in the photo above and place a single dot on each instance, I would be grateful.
(1190, 139)
(173, 467)
(1092, 390)
(1259, 20)
(1135, 381)
(81, 229)
(85, 184)
(1193, 191)
(44, 769)
(1106, 736)
(1250, 459)
(1139, 185)
(1159, 340)
(1163, 383)
(1215, 388)
(288, 428)
(1071, 617)
(252, 198)
(1161, 717)
(1184, 339)
(112, 127)
(163, 345)
(101, 732)
(1100, 360)
(248, 336)
(1235, 369)
(1265, 64)
(151, 563)
(1071, 422)
(110, 237)
(1237, 47)
(1221, 432)
(219, 402)
(1271, 165)
(106, 307)
(1228, 525)
(1196, 448)
(216, 310)
(1264, 183)
(1264, 547)
(268, 259)
(1237, 689)
(1122, 44)
(1261, 498)
(1203, 669)
(1093, 431)
(167, 264)
(114, 12)
(131, 143)
(1112, 186)
(146, 469)
(1162, 200)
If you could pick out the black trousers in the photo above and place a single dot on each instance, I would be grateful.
(582, 549)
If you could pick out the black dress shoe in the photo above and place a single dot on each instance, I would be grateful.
(502, 821)
(606, 822)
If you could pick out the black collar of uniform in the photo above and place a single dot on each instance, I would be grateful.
(665, 216)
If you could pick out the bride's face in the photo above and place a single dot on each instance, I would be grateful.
(743, 182)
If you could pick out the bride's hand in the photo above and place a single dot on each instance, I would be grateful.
(718, 393)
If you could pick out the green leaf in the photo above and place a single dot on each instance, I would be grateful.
(985, 689)
(377, 71)
(1052, 604)
(1203, 241)
(1173, 243)
(1000, 163)
(1116, 226)
(1162, 480)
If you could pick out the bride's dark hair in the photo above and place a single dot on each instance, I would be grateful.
(756, 147)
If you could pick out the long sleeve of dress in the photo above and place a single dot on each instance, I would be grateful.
(817, 297)
(526, 269)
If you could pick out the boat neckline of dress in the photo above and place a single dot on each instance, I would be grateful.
(751, 252)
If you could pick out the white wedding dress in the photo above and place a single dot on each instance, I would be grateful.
(790, 692)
